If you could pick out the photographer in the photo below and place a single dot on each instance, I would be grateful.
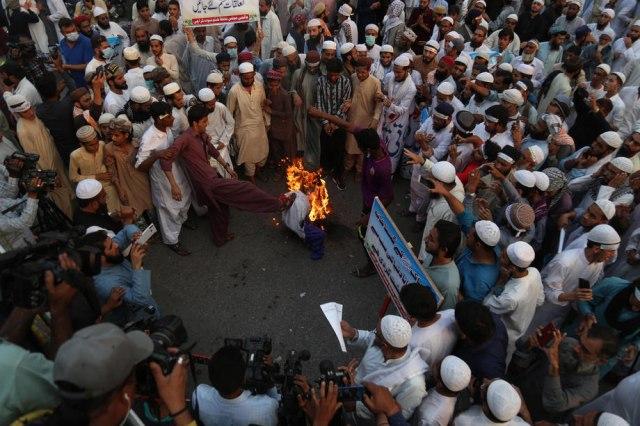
(92, 208)
(226, 402)
(14, 226)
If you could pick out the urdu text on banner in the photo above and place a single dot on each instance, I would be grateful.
(218, 12)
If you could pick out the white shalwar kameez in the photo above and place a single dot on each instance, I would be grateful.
(171, 213)
(437, 340)
(220, 130)
(272, 34)
(435, 410)
(474, 416)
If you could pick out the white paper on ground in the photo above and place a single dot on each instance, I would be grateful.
(333, 312)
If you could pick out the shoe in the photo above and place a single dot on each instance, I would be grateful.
(339, 183)
(178, 249)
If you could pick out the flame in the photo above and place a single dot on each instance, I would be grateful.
(299, 179)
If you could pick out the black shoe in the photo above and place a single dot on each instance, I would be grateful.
(178, 249)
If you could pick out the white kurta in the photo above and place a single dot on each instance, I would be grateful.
(474, 416)
(169, 62)
(623, 55)
(436, 341)
(134, 77)
(113, 102)
(57, 11)
(272, 34)
(435, 410)
(171, 213)
(28, 90)
(220, 130)
(538, 70)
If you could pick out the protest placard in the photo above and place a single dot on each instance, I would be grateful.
(218, 12)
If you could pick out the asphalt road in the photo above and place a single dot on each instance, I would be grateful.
(265, 283)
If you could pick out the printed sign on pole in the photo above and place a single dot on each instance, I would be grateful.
(218, 12)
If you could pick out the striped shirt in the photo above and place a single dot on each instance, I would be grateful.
(331, 96)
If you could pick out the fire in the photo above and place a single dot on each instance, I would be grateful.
(299, 179)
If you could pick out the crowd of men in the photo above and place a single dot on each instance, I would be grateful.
(516, 122)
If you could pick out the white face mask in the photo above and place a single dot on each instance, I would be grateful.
(73, 36)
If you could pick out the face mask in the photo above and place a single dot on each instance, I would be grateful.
(73, 36)
(370, 40)
(233, 52)
(150, 85)
(107, 53)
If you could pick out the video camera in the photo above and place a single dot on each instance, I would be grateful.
(29, 172)
(346, 392)
(258, 376)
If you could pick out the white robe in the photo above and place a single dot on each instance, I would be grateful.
(474, 416)
(57, 11)
(171, 213)
(272, 34)
(437, 340)
(220, 130)
(37, 29)
(435, 410)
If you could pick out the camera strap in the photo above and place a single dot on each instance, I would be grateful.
(13, 207)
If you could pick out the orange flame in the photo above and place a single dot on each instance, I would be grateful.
(299, 179)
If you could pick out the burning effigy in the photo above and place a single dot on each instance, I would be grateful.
(310, 207)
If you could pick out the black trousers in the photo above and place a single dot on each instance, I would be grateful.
(332, 151)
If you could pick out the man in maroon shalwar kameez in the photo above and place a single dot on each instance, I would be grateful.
(217, 193)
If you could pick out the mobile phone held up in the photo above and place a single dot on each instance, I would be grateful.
(426, 182)
(583, 284)
(350, 393)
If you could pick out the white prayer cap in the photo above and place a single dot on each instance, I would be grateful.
(534, 42)
(538, 1)
(503, 400)
(245, 67)
(605, 67)
(314, 23)
(402, 61)
(92, 229)
(97, 11)
(433, 45)
(17, 103)
(542, 180)
(206, 95)
(131, 53)
(396, 331)
(520, 85)
(156, 37)
(88, 188)
(488, 232)
(607, 208)
(604, 235)
(464, 59)
(609, 32)
(621, 76)
(229, 39)
(536, 154)
(86, 133)
(636, 24)
(346, 48)
(506, 67)
(484, 24)
(329, 45)
(608, 419)
(171, 88)
(525, 178)
(140, 95)
(576, 2)
(215, 78)
(288, 50)
(612, 139)
(525, 69)
(483, 53)
(148, 68)
(512, 96)
(485, 77)
(624, 200)
(609, 12)
(455, 373)
(454, 35)
(386, 48)
(410, 35)
(444, 171)
(448, 19)
(345, 10)
(105, 118)
(281, 45)
(521, 254)
(361, 47)
(446, 88)
(623, 164)
(373, 27)
(408, 55)
(513, 16)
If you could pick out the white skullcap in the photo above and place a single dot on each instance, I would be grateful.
(621, 76)
(576, 2)
(402, 61)
(171, 88)
(525, 178)
(433, 45)
(604, 235)
(288, 50)
(361, 48)
(612, 139)
(536, 154)
(502, 398)
(455, 373)
(148, 68)
(525, 69)
(281, 45)
(140, 95)
(449, 19)
(245, 67)
(446, 88)
(386, 48)
(396, 331)
(483, 53)
(506, 67)
(513, 96)
(17, 103)
(105, 118)
(538, 1)
(606, 207)
(346, 48)
(624, 200)
(534, 42)
(623, 164)
(329, 45)
(464, 59)
(444, 171)
(372, 27)
(131, 54)
(314, 23)
(488, 232)
(206, 95)
(229, 39)
(92, 229)
(482, 2)
(97, 11)
(636, 24)
(609, 12)
(608, 419)
(454, 35)
(609, 32)
(410, 35)
(605, 67)
(88, 188)
(214, 78)
(521, 254)
(513, 16)
(520, 85)
(485, 77)
(542, 180)
(156, 37)
(345, 10)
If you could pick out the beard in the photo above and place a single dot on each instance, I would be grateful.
(144, 46)
(474, 44)
(104, 27)
(439, 75)
(246, 84)
(122, 86)
(528, 57)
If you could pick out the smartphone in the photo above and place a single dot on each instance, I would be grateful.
(426, 182)
(146, 234)
(583, 284)
(350, 393)
(546, 334)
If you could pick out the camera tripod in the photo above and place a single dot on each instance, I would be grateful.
(50, 217)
